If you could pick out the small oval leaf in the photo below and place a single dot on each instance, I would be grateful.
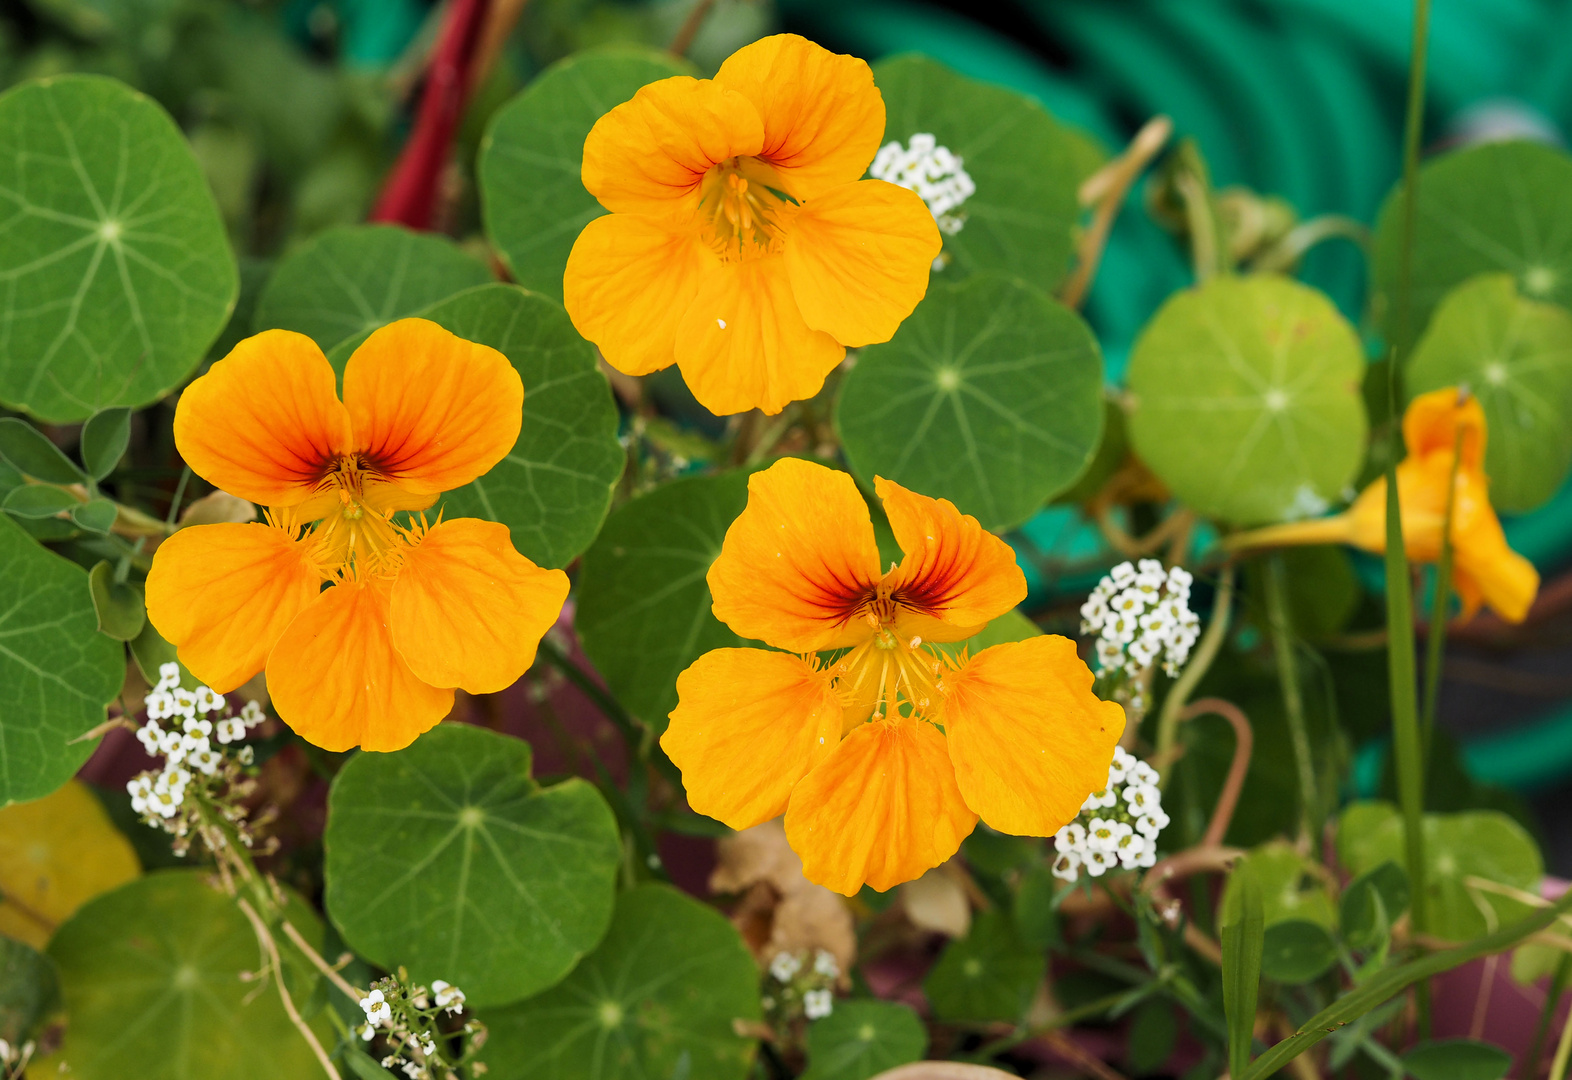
(34, 501)
(1457, 1059)
(1297, 951)
(95, 515)
(105, 437)
(121, 612)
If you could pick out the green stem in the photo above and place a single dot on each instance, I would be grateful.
(1200, 660)
(180, 492)
(1435, 643)
(1547, 1016)
(1293, 700)
(1064, 1019)
(1394, 980)
(630, 729)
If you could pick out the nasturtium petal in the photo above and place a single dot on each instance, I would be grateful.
(628, 282)
(822, 115)
(515, 884)
(468, 610)
(858, 257)
(954, 570)
(265, 422)
(798, 561)
(742, 343)
(748, 725)
(880, 810)
(338, 681)
(647, 155)
(224, 594)
(1029, 739)
(431, 410)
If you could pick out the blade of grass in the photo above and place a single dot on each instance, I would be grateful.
(1547, 1015)
(1394, 980)
(1435, 643)
(1293, 700)
(1244, 937)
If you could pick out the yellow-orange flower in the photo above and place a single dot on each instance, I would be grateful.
(409, 613)
(884, 755)
(741, 244)
(1485, 570)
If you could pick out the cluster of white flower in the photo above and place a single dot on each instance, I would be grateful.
(1117, 826)
(406, 1018)
(813, 988)
(935, 174)
(1141, 613)
(194, 717)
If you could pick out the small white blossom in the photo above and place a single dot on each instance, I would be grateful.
(1141, 797)
(1099, 862)
(1151, 824)
(1142, 617)
(160, 705)
(447, 996)
(824, 964)
(205, 761)
(413, 1071)
(1071, 838)
(376, 1008)
(817, 1004)
(208, 700)
(168, 676)
(785, 966)
(1117, 827)
(148, 735)
(194, 726)
(251, 713)
(1097, 800)
(231, 730)
(936, 175)
(366, 1032)
(246, 755)
(428, 1047)
(1067, 866)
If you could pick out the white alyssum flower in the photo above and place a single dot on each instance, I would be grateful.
(376, 1008)
(785, 966)
(447, 996)
(817, 1004)
(1117, 827)
(824, 964)
(1141, 615)
(936, 175)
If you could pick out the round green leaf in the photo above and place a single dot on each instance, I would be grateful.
(58, 674)
(644, 606)
(987, 975)
(534, 203)
(447, 858)
(116, 271)
(658, 999)
(152, 973)
(1270, 372)
(862, 1039)
(95, 515)
(1025, 164)
(989, 395)
(1457, 1059)
(1290, 886)
(1497, 207)
(1297, 951)
(553, 490)
(1516, 356)
(353, 279)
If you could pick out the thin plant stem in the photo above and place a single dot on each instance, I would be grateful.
(270, 950)
(1105, 191)
(320, 962)
(682, 41)
(1195, 670)
(1293, 698)
(1407, 748)
(1238, 769)
(630, 729)
(1547, 1016)
(1064, 1019)
(1435, 643)
(180, 493)
(1558, 1066)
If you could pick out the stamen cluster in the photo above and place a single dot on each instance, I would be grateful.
(407, 1016)
(192, 764)
(1141, 614)
(935, 174)
(1117, 826)
(804, 990)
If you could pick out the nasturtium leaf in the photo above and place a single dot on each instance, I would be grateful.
(644, 606)
(95, 515)
(553, 490)
(1036, 921)
(58, 674)
(660, 997)
(116, 271)
(1499, 207)
(1457, 1059)
(1297, 951)
(1371, 903)
(512, 883)
(1515, 355)
(861, 1039)
(30, 452)
(1290, 886)
(105, 437)
(57, 853)
(34, 501)
(533, 200)
(28, 987)
(355, 278)
(120, 608)
(988, 975)
(1474, 844)
(989, 395)
(1245, 399)
(1026, 167)
(157, 973)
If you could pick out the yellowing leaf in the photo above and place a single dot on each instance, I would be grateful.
(57, 853)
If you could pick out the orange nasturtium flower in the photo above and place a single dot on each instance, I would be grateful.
(1485, 570)
(409, 612)
(884, 754)
(741, 244)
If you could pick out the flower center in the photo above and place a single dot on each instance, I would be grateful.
(355, 529)
(742, 208)
(890, 675)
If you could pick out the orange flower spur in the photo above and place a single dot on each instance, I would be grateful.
(741, 245)
(409, 612)
(1438, 427)
(884, 755)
